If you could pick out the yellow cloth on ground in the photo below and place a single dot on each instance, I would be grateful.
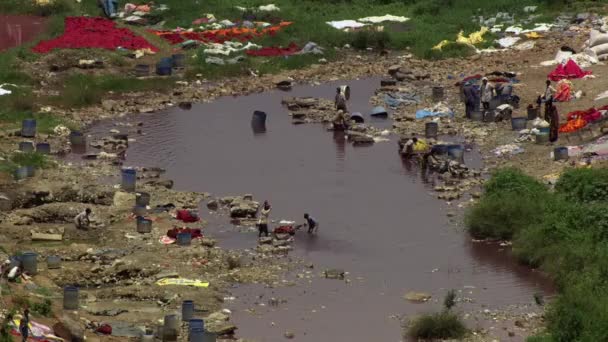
(473, 38)
(534, 35)
(182, 282)
(420, 146)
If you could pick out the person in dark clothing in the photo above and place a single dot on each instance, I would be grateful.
(553, 124)
(470, 97)
(548, 106)
(263, 221)
(24, 325)
(311, 223)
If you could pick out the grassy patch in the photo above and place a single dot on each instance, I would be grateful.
(442, 325)
(43, 308)
(566, 234)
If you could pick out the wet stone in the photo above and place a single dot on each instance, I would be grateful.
(334, 274)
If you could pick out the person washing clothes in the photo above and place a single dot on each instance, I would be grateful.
(487, 93)
(263, 221)
(340, 100)
(82, 220)
(547, 98)
(339, 122)
(553, 119)
(312, 224)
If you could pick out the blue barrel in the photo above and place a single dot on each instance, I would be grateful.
(196, 335)
(518, 124)
(187, 310)
(53, 262)
(456, 152)
(196, 323)
(431, 129)
(129, 178)
(179, 60)
(560, 153)
(70, 298)
(258, 118)
(142, 70)
(440, 149)
(43, 148)
(438, 94)
(28, 128)
(170, 328)
(164, 67)
(184, 239)
(378, 112)
(143, 225)
(142, 199)
(357, 117)
(21, 172)
(29, 260)
(77, 138)
(26, 146)
(30, 170)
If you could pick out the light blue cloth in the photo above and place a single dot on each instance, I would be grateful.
(422, 113)
(109, 7)
(393, 100)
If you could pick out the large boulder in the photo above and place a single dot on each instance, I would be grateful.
(243, 207)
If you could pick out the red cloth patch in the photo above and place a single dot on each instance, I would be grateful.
(82, 32)
(570, 70)
(194, 232)
(186, 216)
(274, 51)
(105, 329)
(220, 36)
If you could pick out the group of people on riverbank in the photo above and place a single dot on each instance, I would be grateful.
(264, 220)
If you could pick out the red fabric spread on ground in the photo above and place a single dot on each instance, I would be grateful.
(285, 230)
(220, 36)
(563, 92)
(570, 70)
(194, 232)
(81, 32)
(274, 51)
(186, 216)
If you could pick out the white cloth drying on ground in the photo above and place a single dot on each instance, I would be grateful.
(386, 17)
(228, 47)
(343, 24)
(508, 41)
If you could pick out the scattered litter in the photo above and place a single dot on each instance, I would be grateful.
(165, 240)
(269, 8)
(507, 41)
(509, 149)
(525, 46)
(228, 47)
(394, 100)
(387, 17)
(4, 91)
(601, 96)
(440, 109)
(182, 282)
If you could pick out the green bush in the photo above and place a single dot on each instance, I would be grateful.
(585, 185)
(510, 180)
(501, 216)
(43, 308)
(30, 159)
(443, 325)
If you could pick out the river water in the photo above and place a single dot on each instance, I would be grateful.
(18, 29)
(378, 219)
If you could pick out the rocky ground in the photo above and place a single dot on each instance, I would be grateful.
(117, 268)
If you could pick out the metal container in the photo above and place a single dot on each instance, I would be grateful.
(53, 262)
(28, 128)
(144, 225)
(129, 178)
(184, 239)
(43, 148)
(29, 261)
(438, 93)
(26, 146)
(142, 70)
(533, 113)
(170, 328)
(187, 310)
(70, 298)
(357, 117)
(560, 153)
(542, 138)
(518, 124)
(142, 199)
(431, 129)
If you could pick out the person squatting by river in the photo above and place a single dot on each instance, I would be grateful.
(82, 220)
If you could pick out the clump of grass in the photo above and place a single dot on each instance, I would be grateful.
(586, 185)
(442, 325)
(35, 159)
(43, 308)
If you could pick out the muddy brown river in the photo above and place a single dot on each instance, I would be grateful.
(379, 220)
(18, 29)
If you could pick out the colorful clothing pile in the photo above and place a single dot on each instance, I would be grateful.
(563, 93)
(275, 51)
(187, 216)
(81, 32)
(194, 232)
(219, 36)
(570, 70)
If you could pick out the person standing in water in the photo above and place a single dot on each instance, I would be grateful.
(312, 224)
(263, 221)
(340, 100)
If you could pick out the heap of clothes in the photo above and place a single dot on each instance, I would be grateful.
(84, 32)
(569, 70)
(580, 118)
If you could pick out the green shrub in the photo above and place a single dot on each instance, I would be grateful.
(585, 185)
(43, 308)
(510, 180)
(501, 216)
(30, 159)
(450, 300)
(540, 338)
(443, 325)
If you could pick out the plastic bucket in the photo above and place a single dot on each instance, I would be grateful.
(43, 148)
(53, 262)
(26, 146)
(477, 116)
(532, 113)
(162, 70)
(142, 70)
(560, 153)
(344, 89)
(379, 112)
(258, 118)
(518, 123)
(184, 239)
(187, 310)
(431, 129)
(544, 130)
(28, 128)
(144, 225)
(70, 298)
(456, 152)
(21, 172)
(179, 60)
(357, 117)
(29, 261)
(129, 178)
(194, 323)
(542, 138)
(196, 335)
(77, 139)
(30, 170)
(438, 93)
(170, 328)
(142, 199)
